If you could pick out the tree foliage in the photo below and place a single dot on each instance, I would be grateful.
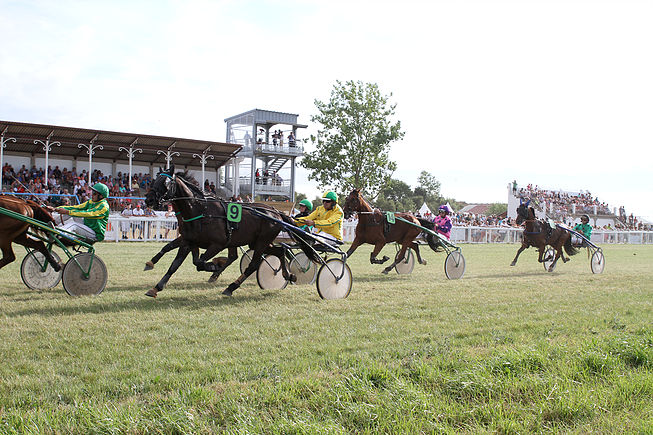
(353, 143)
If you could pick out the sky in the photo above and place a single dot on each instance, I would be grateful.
(556, 93)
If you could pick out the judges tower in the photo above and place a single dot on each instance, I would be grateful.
(270, 145)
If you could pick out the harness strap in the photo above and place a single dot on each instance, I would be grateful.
(193, 219)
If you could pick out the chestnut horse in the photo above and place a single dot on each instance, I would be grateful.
(370, 229)
(15, 230)
(538, 233)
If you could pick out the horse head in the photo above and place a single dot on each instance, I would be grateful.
(524, 213)
(160, 188)
(353, 203)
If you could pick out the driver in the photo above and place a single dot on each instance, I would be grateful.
(95, 213)
(305, 208)
(584, 227)
(326, 218)
(443, 222)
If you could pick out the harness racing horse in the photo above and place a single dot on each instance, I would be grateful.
(174, 244)
(205, 226)
(14, 230)
(538, 233)
(370, 229)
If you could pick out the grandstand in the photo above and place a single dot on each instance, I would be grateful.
(569, 206)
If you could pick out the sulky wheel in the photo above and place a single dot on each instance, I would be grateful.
(454, 265)
(328, 284)
(549, 255)
(304, 269)
(245, 260)
(405, 266)
(598, 262)
(76, 283)
(33, 275)
(269, 275)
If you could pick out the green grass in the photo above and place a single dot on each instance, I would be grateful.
(505, 349)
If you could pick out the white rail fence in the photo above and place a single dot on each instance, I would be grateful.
(143, 229)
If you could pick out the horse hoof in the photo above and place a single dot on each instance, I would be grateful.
(385, 258)
(57, 267)
(423, 263)
(151, 293)
(385, 271)
(513, 263)
(228, 292)
(213, 278)
(292, 277)
(149, 266)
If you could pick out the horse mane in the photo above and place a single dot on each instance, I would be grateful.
(192, 183)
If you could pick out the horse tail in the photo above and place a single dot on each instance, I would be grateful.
(569, 248)
(41, 214)
(295, 234)
(433, 241)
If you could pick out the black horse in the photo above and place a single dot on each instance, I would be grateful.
(205, 226)
(539, 233)
(174, 244)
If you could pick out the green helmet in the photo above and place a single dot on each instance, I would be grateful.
(307, 203)
(101, 189)
(330, 195)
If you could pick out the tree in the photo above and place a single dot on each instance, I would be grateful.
(429, 186)
(353, 143)
(497, 208)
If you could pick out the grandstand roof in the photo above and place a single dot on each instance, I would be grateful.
(153, 147)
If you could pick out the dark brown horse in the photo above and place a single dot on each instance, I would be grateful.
(372, 228)
(539, 233)
(14, 230)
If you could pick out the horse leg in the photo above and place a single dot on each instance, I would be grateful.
(555, 260)
(377, 248)
(399, 257)
(7, 254)
(222, 265)
(167, 248)
(182, 253)
(519, 251)
(201, 262)
(257, 259)
(415, 247)
(355, 244)
(39, 246)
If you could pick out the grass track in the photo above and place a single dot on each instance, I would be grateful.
(510, 350)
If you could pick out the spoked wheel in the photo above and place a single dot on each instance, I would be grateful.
(33, 275)
(405, 266)
(454, 265)
(328, 286)
(269, 275)
(245, 260)
(549, 256)
(304, 269)
(598, 262)
(76, 283)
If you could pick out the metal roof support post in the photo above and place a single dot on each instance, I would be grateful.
(47, 146)
(130, 153)
(252, 176)
(203, 159)
(90, 150)
(168, 154)
(236, 177)
(3, 144)
(292, 180)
